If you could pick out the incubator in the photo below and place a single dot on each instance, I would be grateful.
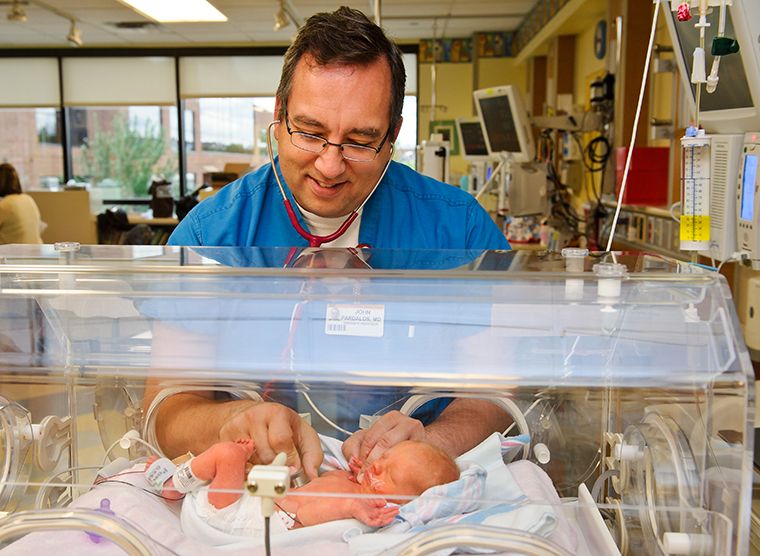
(629, 388)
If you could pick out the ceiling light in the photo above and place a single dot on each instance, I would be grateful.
(281, 18)
(176, 11)
(17, 12)
(74, 36)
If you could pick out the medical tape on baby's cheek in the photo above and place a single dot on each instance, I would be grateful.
(159, 472)
(185, 480)
(375, 482)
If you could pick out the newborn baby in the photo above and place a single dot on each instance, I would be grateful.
(407, 469)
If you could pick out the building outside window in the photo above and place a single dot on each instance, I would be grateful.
(31, 142)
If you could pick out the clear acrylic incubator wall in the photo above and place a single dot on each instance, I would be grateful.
(626, 380)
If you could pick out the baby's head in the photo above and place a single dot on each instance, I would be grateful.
(408, 468)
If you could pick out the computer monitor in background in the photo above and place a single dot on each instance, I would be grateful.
(474, 150)
(735, 105)
(521, 186)
(471, 138)
(506, 123)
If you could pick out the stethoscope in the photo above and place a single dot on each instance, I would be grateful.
(314, 240)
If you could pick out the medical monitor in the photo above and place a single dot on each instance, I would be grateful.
(505, 122)
(748, 203)
(748, 187)
(471, 138)
(735, 105)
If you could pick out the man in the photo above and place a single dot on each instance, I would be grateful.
(338, 106)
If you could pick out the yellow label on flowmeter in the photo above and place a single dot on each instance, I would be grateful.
(695, 228)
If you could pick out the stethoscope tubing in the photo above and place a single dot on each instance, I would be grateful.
(315, 240)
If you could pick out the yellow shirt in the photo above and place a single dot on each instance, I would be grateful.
(19, 219)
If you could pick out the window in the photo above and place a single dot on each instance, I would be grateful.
(120, 150)
(39, 163)
(145, 120)
(189, 128)
(406, 142)
(48, 126)
(121, 134)
(230, 132)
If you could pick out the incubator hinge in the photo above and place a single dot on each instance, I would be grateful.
(51, 437)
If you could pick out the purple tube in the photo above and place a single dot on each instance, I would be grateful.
(105, 508)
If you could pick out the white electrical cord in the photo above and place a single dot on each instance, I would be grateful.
(635, 126)
(323, 416)
(42, 492)
(126, 442)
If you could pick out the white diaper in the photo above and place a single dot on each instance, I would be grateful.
(243, 518)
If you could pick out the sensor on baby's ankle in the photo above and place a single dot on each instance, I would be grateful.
(158, 473)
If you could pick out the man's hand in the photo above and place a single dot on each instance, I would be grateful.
(462, 425)
(275, 428)
(390, 429)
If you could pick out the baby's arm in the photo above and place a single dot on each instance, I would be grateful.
(370, 511)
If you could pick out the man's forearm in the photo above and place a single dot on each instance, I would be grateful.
(465, 423)
(191, 423)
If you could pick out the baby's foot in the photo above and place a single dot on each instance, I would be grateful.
(248, 445)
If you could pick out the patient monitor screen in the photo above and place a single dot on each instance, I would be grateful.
(748, 187)
(500, 124)
(473, 141)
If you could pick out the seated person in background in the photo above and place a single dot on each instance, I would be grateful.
(20, 220)
(407, 469)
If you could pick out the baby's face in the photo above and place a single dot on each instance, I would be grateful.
(394, 472)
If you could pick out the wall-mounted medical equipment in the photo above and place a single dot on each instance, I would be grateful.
(695, 191)
(472, 141)
(748, 200)
(509, 139)
(433, 158)
(725, 157)
(734, 105)
(628, 382)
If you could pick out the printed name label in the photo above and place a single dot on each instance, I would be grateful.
(355, 320)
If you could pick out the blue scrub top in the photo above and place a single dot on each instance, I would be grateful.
(407, 211)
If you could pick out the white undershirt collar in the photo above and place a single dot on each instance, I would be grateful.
(323, 226)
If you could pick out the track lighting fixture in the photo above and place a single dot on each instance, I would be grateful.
(16, 12)
(74, 36)
(281, 19)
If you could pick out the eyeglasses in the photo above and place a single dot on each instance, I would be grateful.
(316, 144)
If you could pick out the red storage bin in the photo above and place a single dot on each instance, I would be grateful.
(647, 178)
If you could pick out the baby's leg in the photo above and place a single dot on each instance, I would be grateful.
(224, 465)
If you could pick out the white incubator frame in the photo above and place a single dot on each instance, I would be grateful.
(625, 375)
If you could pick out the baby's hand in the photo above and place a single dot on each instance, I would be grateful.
(355, 465)
(373, 511)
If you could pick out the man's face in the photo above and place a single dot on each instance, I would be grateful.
(343, 104)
